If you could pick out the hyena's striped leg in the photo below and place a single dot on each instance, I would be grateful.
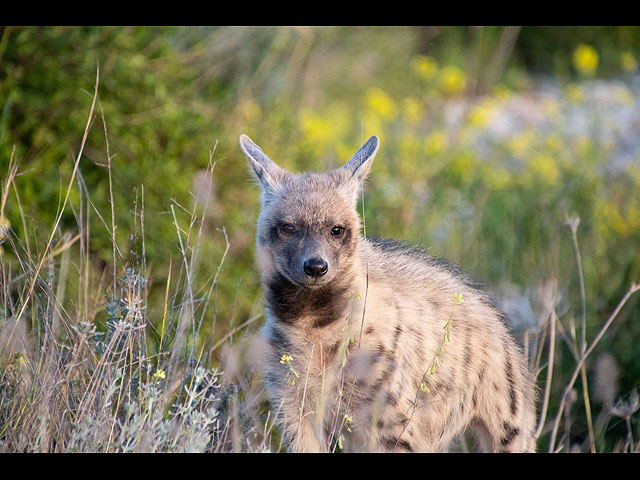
(505, 438)
(506, 420)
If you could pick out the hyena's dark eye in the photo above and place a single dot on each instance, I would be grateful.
(337, 231)
(287, 229)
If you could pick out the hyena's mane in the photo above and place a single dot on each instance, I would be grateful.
(406, 254)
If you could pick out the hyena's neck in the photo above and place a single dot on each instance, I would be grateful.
(307, 307)
(315, 308)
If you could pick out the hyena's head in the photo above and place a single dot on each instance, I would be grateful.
(308, 225)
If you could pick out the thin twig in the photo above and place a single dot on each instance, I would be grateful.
(64, 204)
(547, 388)
(573, 226)
(567, 391)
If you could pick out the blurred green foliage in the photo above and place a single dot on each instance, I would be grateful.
(309, 96)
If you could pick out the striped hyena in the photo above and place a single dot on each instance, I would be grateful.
(370, 345)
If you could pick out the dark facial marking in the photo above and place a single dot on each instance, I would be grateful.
(273, 233)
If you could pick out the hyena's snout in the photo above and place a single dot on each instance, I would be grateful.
(316, 267)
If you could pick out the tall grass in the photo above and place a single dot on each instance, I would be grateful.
(85, 366)
(82, 366)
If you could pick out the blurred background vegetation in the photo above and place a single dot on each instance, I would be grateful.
(491, 137)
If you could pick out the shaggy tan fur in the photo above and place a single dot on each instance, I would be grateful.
(389, 350)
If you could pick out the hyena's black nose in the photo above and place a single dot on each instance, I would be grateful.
(315, 267)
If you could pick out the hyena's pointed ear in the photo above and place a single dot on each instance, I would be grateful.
(265, 170)
(360, 163)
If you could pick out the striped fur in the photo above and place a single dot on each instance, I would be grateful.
(358, 357)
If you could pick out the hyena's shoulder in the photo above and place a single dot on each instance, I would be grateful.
(414, 268)
(421, 283)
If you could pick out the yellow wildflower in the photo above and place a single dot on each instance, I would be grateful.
(408, 146)
(160, 374)
(425, 67)
(545, 168)
(585, 145)
(412, 110)
(634, 171)
(575, 93)
(286, 358)
(458, 298)
(291, 373)
(481, 113)
(501, 92)
(585, 59)
(521, 142)
(462, 166)
(611, 217)
(496, 177)
(628, 62)
(435, 142)
(380, 103)
(554, 142)
(452, 80)
(348, 419)
(315, 128)
(371, 124)
(633, 217)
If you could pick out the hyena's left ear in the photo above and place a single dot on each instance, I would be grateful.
(358, 167)
(360, 163)
(265, 170)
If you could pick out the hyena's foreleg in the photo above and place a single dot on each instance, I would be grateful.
(506, 418)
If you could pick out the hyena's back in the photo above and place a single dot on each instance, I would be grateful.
(476, 377)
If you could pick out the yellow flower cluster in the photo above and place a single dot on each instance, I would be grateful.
(545, 168)
(585, 59)
(628, 62)
(610, 218)
(435, 142)
(481, 114)
(452, 80)
(574, 93)
(412, 110)
(425, 67)
(327, 126)
(379, 103)
(291, 373)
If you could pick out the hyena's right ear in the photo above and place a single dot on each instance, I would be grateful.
(268, 173)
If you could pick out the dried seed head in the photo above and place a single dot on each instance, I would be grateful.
(626, 408)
